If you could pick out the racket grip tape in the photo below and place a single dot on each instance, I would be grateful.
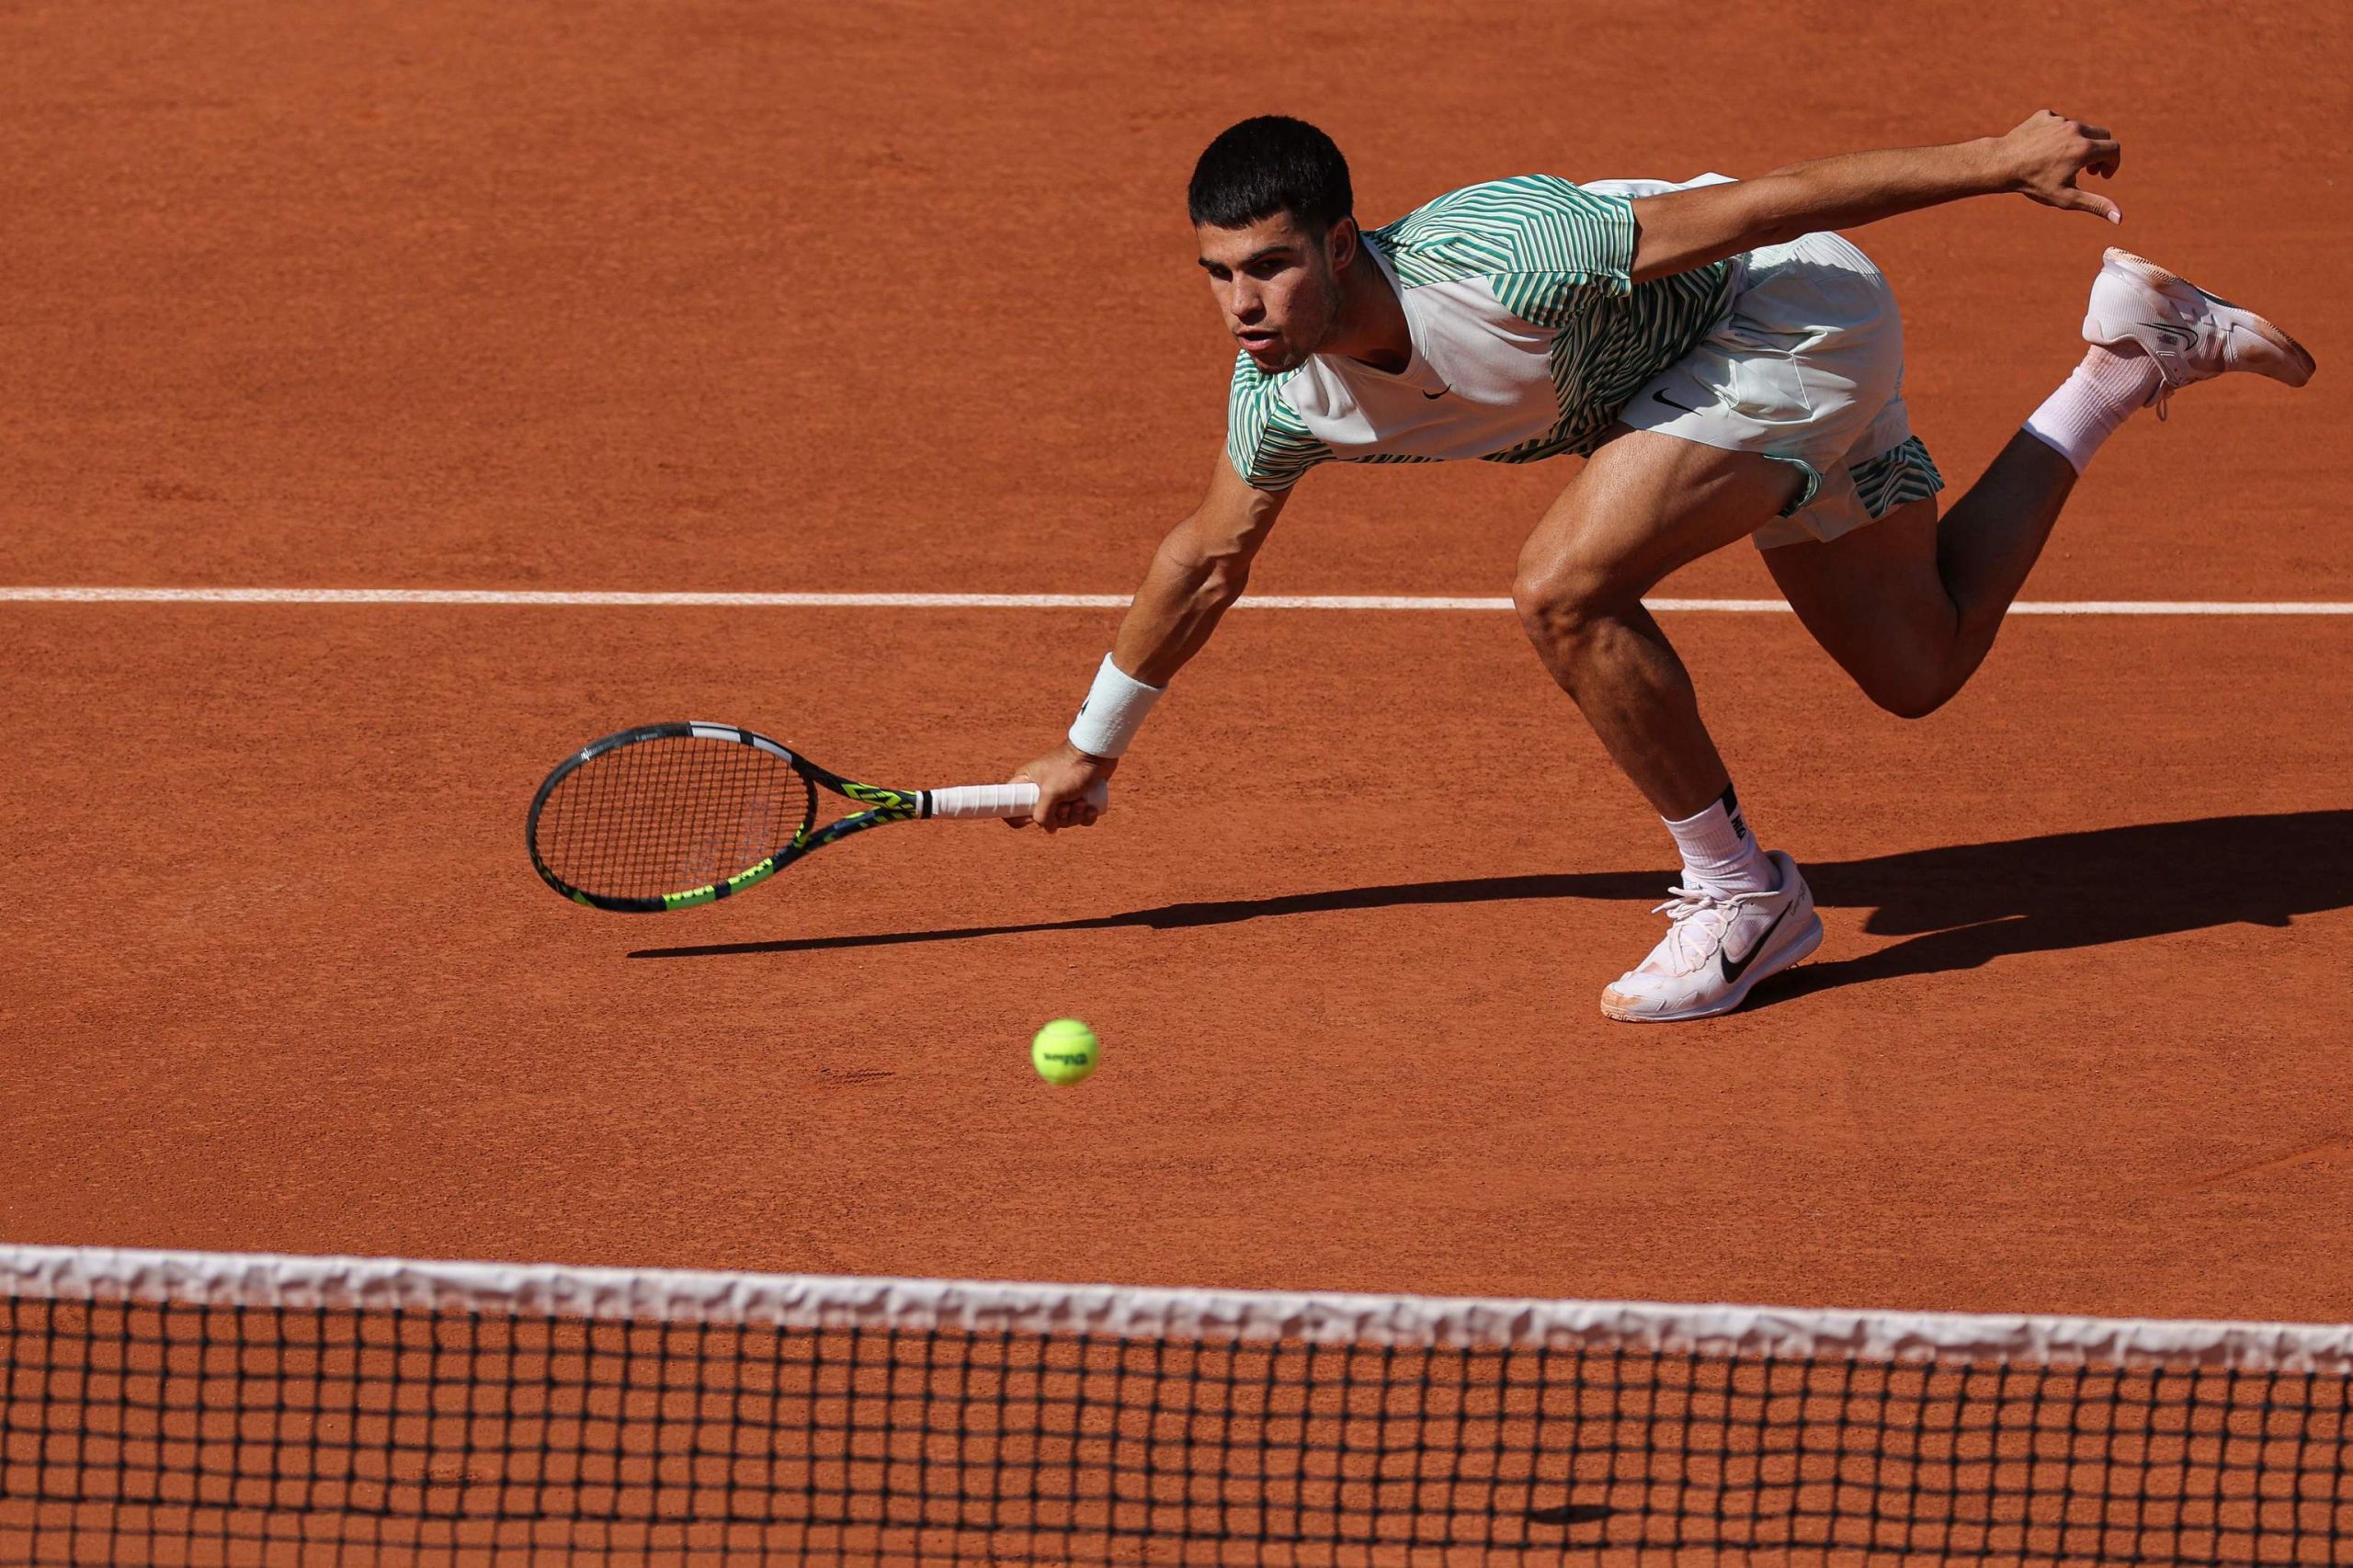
(1017, 798)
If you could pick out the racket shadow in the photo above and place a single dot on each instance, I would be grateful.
(1229, 912)
(1952, 907)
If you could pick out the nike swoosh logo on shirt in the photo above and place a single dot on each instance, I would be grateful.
(1732, 971)
(1672, 404)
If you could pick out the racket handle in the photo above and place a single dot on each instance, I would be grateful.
(1014, 800)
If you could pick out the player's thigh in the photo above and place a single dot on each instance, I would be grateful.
(1644, 504)
(1874, 601)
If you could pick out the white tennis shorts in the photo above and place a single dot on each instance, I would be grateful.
(1807, 367)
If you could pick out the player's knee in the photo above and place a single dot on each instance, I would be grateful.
(1912, 705)
(1561, 605)
(1909, 694)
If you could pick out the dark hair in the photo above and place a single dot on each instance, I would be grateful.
(1269, 164)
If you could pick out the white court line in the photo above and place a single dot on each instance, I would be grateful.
(537, 597)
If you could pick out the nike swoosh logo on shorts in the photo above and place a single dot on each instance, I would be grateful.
(1732, 971)
(1672, 404)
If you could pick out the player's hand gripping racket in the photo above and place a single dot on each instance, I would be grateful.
(667, 817)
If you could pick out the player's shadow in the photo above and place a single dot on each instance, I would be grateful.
(1956, 907)
(1964, 905)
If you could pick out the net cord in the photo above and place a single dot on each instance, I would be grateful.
(815, 1301)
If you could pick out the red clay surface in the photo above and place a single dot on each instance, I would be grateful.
(745, 297)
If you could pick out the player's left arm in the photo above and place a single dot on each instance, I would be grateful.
(2042, 159)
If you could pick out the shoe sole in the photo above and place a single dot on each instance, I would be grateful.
(1797, 952)
(2141, 269)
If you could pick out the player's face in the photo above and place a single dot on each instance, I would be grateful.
(1278, 285)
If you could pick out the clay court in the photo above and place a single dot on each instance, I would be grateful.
(898, 299)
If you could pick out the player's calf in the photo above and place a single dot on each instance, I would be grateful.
(1645, 505)
(1910, 606)
(1604, 649)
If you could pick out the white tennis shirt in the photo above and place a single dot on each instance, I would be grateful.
(1528, 335)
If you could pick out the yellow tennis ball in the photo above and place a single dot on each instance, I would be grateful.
(1064, 1051)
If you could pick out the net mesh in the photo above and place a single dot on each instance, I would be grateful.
(668, 814)
(193, 1409)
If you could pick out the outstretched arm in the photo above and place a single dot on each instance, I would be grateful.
(1197, 572)
(2042, 159)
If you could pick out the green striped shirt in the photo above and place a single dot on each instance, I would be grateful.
(1529, 334)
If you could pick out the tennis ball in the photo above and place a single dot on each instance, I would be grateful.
(1064, 1051)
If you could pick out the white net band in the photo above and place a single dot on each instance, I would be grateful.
(1132, 1313)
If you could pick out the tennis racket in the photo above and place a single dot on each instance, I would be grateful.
(669, 816)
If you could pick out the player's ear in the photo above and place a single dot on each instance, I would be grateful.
(1341, 243)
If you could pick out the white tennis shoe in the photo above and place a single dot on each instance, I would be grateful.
(2191, 335)
(1717, 947)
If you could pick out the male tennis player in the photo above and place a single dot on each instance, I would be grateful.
(1729, 368)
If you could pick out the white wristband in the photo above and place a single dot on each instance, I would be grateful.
(1114, 710)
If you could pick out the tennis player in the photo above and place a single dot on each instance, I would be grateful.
(1729, 368)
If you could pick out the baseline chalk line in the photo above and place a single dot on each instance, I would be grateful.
(539, 598)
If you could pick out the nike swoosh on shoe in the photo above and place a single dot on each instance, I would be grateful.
(1732, 971)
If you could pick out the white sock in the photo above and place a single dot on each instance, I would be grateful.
(1719, 855)
(2097, 396)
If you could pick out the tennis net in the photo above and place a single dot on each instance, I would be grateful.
(190, 1408)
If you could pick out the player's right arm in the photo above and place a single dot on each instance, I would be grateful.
(1195, 574)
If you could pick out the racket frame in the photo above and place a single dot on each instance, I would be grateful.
(883, 805)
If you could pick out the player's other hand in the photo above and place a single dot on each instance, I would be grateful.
(2043, 158)
(1065, 776)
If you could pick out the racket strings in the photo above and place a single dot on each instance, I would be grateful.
(669, 815)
